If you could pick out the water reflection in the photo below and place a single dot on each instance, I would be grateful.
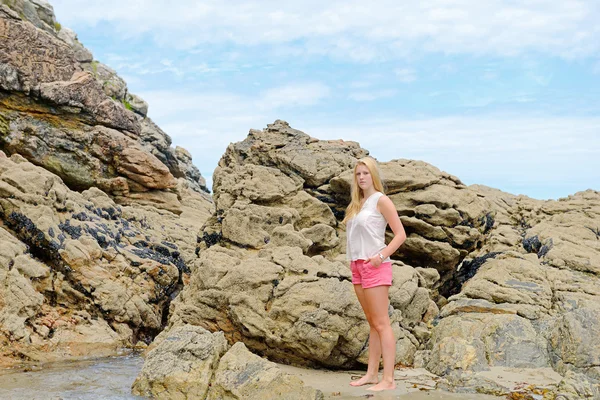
(105, 378)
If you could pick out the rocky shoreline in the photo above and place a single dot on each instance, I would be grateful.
(109, 238)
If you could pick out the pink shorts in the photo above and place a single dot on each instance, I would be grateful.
(369, 276)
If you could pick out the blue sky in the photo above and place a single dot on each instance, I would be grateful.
(500, 93)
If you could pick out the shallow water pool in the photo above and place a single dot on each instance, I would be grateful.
(104, 378)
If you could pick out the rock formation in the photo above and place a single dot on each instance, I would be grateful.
(75, 117)
(98, 214)
(271, 270)
(83, 272)
(532, 297)
(515, 278)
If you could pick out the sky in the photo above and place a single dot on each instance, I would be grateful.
(501, 93)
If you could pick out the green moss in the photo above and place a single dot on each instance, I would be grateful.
(95, 66)
(18, 8)
(24, 104)
(127, 105)
(57, 26)
(9, 3)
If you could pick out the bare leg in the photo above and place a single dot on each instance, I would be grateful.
(378, 302)
(374, 354)
(374, 345)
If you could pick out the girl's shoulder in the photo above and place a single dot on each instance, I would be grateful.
(380, 196)
(384, 200)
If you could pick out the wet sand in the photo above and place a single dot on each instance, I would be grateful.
(411, 384)
(111, 378)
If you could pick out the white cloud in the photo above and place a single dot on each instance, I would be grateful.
(294, 95)
(178, 107)
(360, 84)
(406, 75)
(490, 75)
(478, 137)
(538, 156)
(354, 29)
(205, 123)
(540, 79)
(136, 66)
(471, 100)
(165, 103)
(446, 69)
(523, 98)
(372, 95)
(144, 65)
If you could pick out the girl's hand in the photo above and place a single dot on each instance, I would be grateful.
(375, 261)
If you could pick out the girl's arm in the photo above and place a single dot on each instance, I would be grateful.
(388, 210)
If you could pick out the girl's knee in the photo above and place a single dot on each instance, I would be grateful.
(381, 325)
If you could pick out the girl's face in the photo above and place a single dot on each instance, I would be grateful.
(363, 177)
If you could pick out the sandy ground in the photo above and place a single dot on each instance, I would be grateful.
(111, 378)
(411, 384)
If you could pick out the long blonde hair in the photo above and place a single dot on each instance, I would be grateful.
(357, 194)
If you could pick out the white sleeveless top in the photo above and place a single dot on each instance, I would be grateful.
(365, 232)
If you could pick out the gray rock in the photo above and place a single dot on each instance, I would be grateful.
(243, 375)
(37, 56)
(39, 12)
(9, 78)
(476, 342)
(574, 341)
(181, 365)
(323, 237)
(112, 84)
(178, 160)
(286, 236)
(137, 104)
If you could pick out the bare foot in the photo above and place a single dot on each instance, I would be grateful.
(383, 385)
(365, 380)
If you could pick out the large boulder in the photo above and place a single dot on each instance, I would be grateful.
(242, 375)
(191, 363)
(182, 365)
(271, 180)
(98, 224)
(83, 92)
(506, 270)
(85, 156)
